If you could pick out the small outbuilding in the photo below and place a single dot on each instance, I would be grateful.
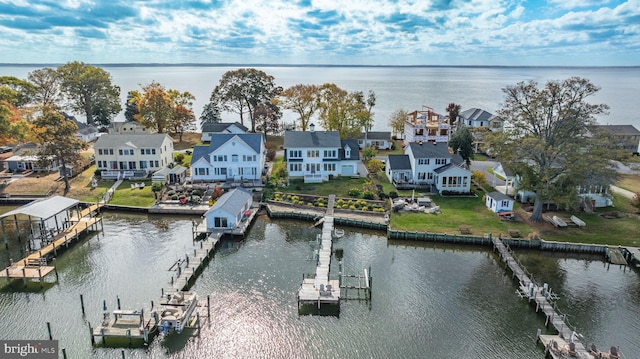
(499, 202)
(229, 210)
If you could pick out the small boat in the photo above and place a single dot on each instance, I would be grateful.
(338, 233)
(177, 311)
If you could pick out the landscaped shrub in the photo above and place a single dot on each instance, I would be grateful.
(393, 194)
(196, 192)
(97, 172)
(382, 195)
(178, 157)
(171, 192)
(195, 199)
(271, 155)
(352, 207)
(368, 195)
(157, 186)
(354, 192)
(365, 208)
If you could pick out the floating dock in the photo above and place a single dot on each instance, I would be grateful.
(318, 289)
(125, 324)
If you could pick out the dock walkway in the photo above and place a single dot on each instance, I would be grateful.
(319, 289)
(186, 269)
(541, 296)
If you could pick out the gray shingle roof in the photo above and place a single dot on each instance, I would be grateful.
(628, 130)
(475, 114)
(430, 150)
(221, 126)
(232, 201)
(376, 136)
(199, 152)
(139, 140)
(398, 162)
(355, 153)
(306, 139)
(499, 196)
(254, 140)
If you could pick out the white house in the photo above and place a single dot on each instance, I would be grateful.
(229, 157)
(229, 209)
(480, 121)
(451, 178)
(209, 128)
(379, 140)
(425, 158)
(128, 128)
(499, 202)
(426, 125)
(317, 155)
(132, 155)
(398, 169)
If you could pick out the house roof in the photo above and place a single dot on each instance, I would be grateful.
(372, 135)
(44, 208)
(355, 153)
(499, 196)
(232, 201)
(444, 168)
(254, 140)
(216, 127)
(138, 140)
(628, 130)
(430, 150)
(475, 114)
(398, 162)
(458, 160)
(307, 139)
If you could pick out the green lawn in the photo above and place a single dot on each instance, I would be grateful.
(126, 196)
(339, 186)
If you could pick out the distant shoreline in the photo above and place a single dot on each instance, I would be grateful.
(313, 65)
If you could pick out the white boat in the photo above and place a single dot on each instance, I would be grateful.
(177, 311)
(578, 221)
(338, 233)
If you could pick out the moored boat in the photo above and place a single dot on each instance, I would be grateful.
(177, 311)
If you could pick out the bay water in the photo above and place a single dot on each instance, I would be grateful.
(407, 88)
(428, 300)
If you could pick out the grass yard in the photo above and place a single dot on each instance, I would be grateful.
(189, 139)
(339, 186)
(629, 182)
(36, 184)
(136, 197)
(81, 187)
(274, 142)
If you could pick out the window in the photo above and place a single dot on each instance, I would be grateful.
(234, 158)
(422, 175)
(330, 154)
(423, 161)
(220, 222)
(220, 158)
(120, 152)
(202, 171)
(110, 151)
(219, 171)
(329, 166)
(441, 161)
(295, 154)
(313, 153)
(347, 152)
(100, 151)
(143, 164)
(132, 165)
(505, 203)
(295, 167)
(153, 151)
(248, 158)
(156, 163)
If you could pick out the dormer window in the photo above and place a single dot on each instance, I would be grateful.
(347, 151)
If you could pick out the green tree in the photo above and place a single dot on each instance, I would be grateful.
(242, 90)
(131, 106)
(58, 143)
(369, 153)
(342, 111)
(89, 91)
(46, 82)
(210, 114)
(303, 100)
(374, 166)
(454, 110)
(461, 142)
(15, 91)
(267, 118)
(548, 138)
(183, 119)
(396, 122)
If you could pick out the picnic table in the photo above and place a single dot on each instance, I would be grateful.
(464, 229)
(514, 233)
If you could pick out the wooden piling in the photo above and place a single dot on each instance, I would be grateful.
(93, 340)
(64, 353)
(209, 307)
(82, 304)
(118, 300)
(49, 330)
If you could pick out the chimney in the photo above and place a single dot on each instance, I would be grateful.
(312, 128)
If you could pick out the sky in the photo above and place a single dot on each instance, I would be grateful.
(340, 32)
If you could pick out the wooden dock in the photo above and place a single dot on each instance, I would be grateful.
(614, 255)
(541, 296)
(319, 289)
(125, 324)
(187, 268)
(34, 265)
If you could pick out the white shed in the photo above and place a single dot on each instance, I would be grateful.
(499, 202)
(229, 209)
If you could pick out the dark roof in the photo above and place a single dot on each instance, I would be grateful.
(398, 162)
(475, 114)
(499, 196)
(458, 160)
(430, 150)
(139, 140)
(254, 140)
(296, 139)
(376, 136)
(216, 127)
(444, 168)
(355, 150)
(628, 130)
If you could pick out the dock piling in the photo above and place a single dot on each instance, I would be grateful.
(93, 340)
(49, 330)
(82, 304)
(64, 353)
(118, 299)
(209, 307)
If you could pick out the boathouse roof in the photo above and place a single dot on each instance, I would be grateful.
(231, 202)
(44, 208)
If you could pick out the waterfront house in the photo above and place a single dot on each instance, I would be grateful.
(176, 174)
(398, 169)
(317, 156)
(210, 128)
(229, 210)
(451, 178)
(86, 133)
(379, 140)
(132, 155)
(128, 128)
(499, 202)
(25, 158)
(480, 122)
(230, 157)
(625, 137)
(426, 125)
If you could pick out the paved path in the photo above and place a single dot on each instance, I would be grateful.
(623, 192)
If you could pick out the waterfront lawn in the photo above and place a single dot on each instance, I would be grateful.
(274, 142)
(456, 211)
(81, 186)
(339, 186)
(135, 197)
(189, 139)
(629, 182)
(35, 184)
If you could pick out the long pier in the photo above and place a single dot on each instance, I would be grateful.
(187, 268)
(34, 265)
(318, 288)
(541, 296)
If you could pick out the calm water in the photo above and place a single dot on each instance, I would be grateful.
(428, 301)
(405, 88)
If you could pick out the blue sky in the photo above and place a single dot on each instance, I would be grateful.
(351, 32)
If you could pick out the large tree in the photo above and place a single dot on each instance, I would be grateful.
(342, 111)
(58, 143)
(397, 120)
(549, 139)
(461, 142)
(267, 118)
(15, 91)
(183, 119)
(210, 114)
(131, 106)
(155, 107)
(46, 82)
(242, 90)
(303, 100)
(89, 91)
